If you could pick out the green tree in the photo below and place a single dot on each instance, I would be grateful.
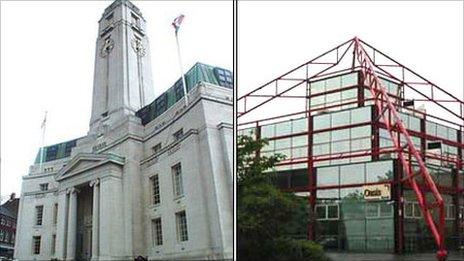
(266, 216)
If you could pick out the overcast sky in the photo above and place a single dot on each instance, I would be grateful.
(274, 37)
(47, 63)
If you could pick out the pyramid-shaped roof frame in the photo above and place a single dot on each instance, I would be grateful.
(342, 58)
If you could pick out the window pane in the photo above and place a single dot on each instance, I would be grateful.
(379, 171)
(322, 149)
(340, 146)
(333, 83)
(282, 143)
(359, 132)
(386, 209)
(299, 152)
(372, 210)
(177, 179)
(431, 128)
(352, 174)
(414, 123)
(300, 125)
(321, 122)
(341, 118)
(268, 131)
(320, 212)
(270, 146)
(332, 211)
(350, 79)
(332, 98)
(350, 94)
(351, 193)
(321, 137)
(300, 141)
(327, 193)
(327, 176)
(283, 128)
(361, 115)
(343, 134)
(317, 87)
(318, 100)
(285, 152)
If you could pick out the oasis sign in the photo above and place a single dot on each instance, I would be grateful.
(377, 192)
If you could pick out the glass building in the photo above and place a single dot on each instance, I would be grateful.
(339, 150)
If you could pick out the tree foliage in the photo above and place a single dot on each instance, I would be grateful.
(267, 216)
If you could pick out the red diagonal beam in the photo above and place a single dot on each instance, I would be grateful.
(383, 102)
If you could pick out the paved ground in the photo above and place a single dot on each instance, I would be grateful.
(390, 257)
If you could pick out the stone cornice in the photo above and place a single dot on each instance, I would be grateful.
(225, 125)
(170, 147)
(117, 3)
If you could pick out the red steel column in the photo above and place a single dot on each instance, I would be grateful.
(399, 207)
(311, 183)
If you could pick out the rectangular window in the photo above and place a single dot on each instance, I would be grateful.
(321, 212)
(135, 20)
(155, 190)
(181, 221)
(38, 215)
(157, 148)
(178, 134)
(53, 244)
(44, 187)
(36, 245)
(55, 213)
(157, 232)
(177, 180)
(332, 212)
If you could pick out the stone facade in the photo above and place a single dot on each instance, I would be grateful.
(98, 202)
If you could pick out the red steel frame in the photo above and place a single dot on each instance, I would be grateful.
(386, 107)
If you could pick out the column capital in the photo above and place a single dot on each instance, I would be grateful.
(94, 182)
(72, 190)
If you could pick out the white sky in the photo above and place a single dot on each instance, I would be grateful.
(47, 63)
(274, 37)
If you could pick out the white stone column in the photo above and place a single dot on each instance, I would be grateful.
(111, 233)
(72, 224)
(95, 218)
(62, 225)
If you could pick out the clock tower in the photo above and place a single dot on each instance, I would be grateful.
(122, 77)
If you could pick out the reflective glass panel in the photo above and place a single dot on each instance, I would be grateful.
(352, 174)
(283, 128)
(379, 171)
(327, 176)
(268, 131)
(343, 134)
(341, 118)
(350, 79)
(300, 125)
(361, 115)
(321, 122)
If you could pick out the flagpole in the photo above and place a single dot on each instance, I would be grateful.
(181, 70)
(44, 125)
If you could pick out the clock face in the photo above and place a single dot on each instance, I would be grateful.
(138, 47)
(106, 47)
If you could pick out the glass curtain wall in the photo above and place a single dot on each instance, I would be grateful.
(344, 219)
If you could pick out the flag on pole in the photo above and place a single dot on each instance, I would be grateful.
(44, 121)
(176, 23)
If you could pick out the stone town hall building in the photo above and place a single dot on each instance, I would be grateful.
(150, 179)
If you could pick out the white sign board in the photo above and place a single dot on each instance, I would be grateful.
(376, 192)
